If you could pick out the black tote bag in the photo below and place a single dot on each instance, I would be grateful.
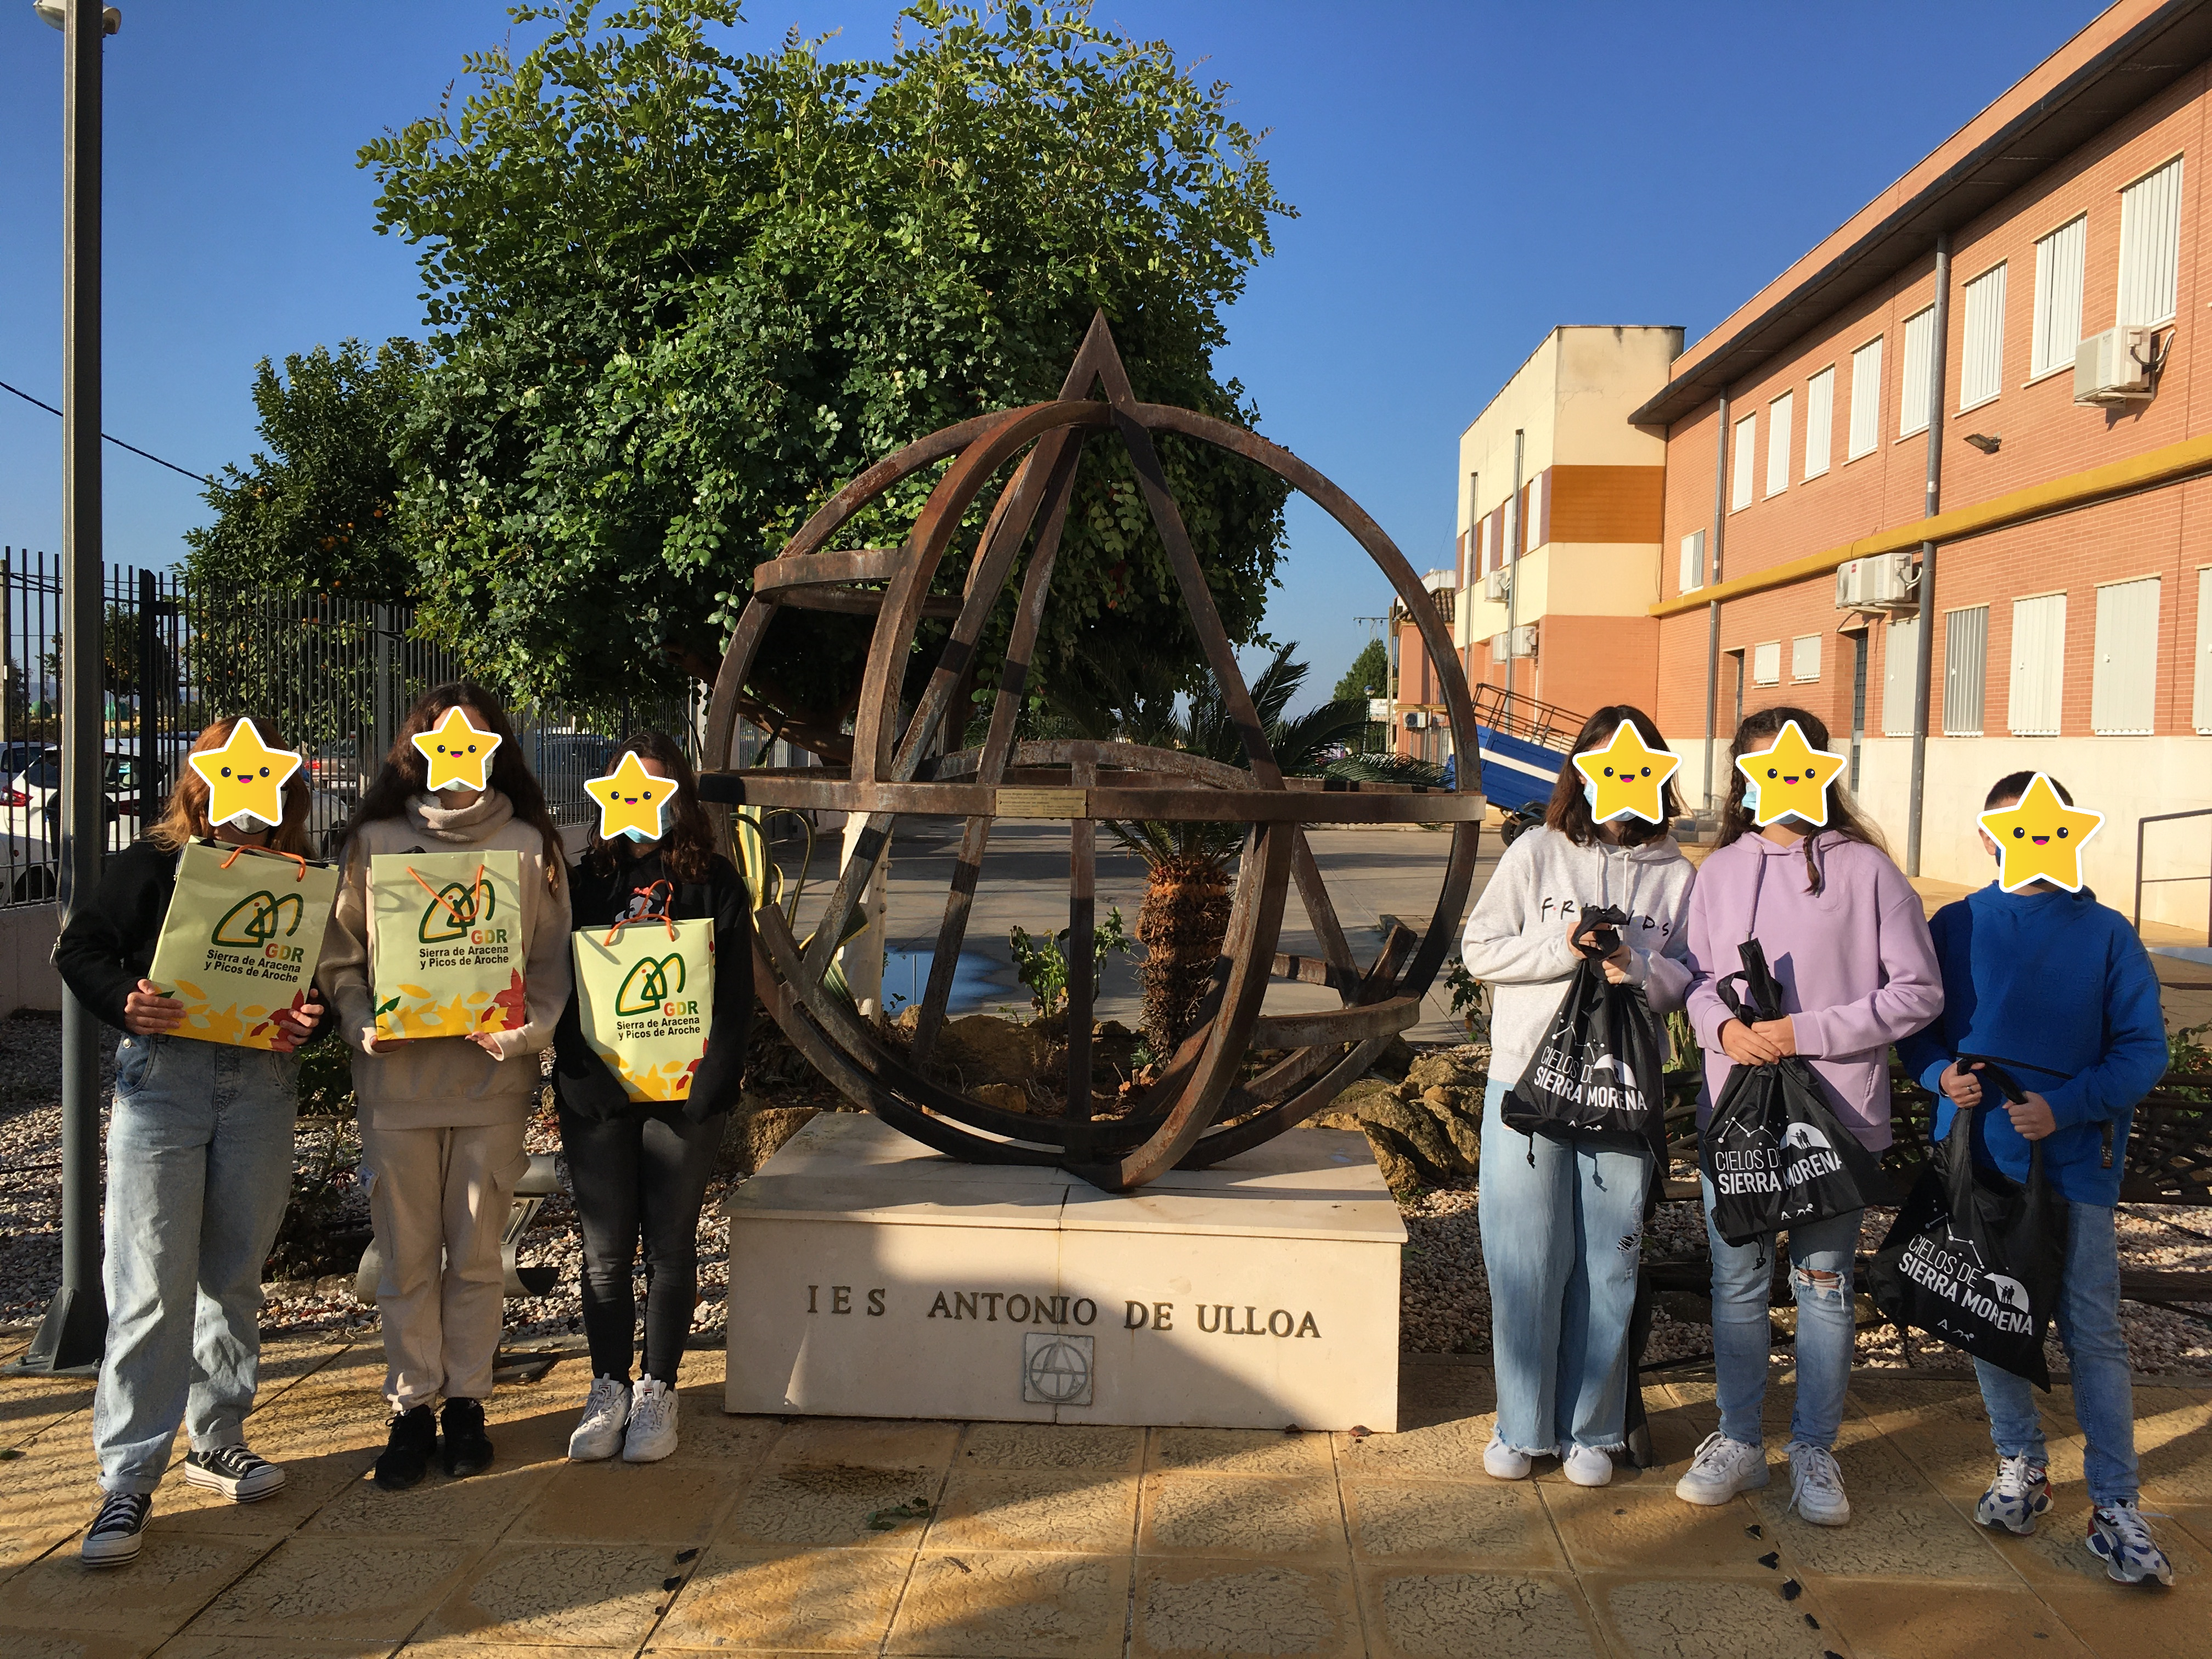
(1598, 1072)
(1975, 1258)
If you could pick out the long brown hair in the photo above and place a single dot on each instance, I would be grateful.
(1759, 731)
(688, 847)
(1568, 811)
(404, 775)
(185, 818)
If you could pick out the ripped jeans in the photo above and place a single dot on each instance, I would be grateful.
(1820, 1258)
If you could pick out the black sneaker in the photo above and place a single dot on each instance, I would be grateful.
(236, 1473)
(117, 1529)
(407, 1451)
(467, 1448)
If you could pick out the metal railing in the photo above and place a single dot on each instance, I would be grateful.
(1516, 715)
(2143, 881)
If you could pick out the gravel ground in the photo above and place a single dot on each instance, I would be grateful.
(1446, 1294)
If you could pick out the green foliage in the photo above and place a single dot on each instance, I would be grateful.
(682, 295)
(316, 514)
(1470, 1000)
(325, 1086)
(1041, 963)
(1369, 675)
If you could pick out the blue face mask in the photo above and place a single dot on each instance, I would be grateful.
(1750, 799)
(1589, 793)
(638, 836)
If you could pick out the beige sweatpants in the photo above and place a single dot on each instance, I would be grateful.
(438, 1201)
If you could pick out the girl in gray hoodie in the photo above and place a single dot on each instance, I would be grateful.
(1562, 1218)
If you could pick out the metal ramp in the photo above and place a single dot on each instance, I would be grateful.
(1522, 744)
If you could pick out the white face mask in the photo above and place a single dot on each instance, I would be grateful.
(245, 823)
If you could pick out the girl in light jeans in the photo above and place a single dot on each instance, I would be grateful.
(1563, 1218)
(199, 1169)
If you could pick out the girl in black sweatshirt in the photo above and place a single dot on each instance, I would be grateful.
(640, 1168)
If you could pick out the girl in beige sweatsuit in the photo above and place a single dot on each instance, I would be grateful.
(442, 1118)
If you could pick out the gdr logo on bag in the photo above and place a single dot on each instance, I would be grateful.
(455, 912)
(259, 921)
(650, 986)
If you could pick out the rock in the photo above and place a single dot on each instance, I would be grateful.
(984, 1048)
(754, 1137)
(1465, 1068)
(1007, 1096)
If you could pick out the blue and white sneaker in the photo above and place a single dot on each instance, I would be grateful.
(2020, 1491)
(2118, 1537)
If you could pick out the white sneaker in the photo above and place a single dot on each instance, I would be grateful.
(1501, 1462)
(599, 1432)
(1816, 1486)
(2020, 1491)
(652, 1434)
(1721, 1469)
(2117, 1535)
(1586, 1466)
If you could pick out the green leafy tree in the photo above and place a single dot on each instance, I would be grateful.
(1367, 677)
(315, 513)
(681, 295)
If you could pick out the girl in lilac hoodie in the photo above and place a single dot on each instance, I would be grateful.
(1845, 936)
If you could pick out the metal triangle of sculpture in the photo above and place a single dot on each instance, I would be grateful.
(1201, 1107)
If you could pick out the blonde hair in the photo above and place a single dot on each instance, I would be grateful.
(185, 818)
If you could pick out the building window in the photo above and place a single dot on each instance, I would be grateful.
(2058, 297)
(1741, 461)
(1693, 560)
(1778, 415)
(1819, 420)
(1805, 658)
(1981, 375)
(2201, 712)
(1866, 399)
(1917, 393)
(1901, 660)
(1766, 663)
(2123, 691)
(2150, 247)
(1965, 670)
(2039, 665)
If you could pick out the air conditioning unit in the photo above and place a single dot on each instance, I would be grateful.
(1882, 582)
(1497, 584)
(1416, 721)
(2115, 367)
(1524, 640)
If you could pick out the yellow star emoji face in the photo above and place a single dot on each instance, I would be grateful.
(459, 756)
(630, 797)
(1630, 779)
(2039, 838)
(246, 777)
(1792, 779)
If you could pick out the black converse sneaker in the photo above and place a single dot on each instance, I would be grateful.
(236, 1473)
(116, 1530)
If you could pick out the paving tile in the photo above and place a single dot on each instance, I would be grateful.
(462, 1647)
(1024, 1509)
(2134, 1621)
(1014, 1607)
(2173, 1443)
(868, 1444)
(615, 1502)
(20, 1549)
(1610, 1529)
(171, 1580)
(22, 1642)
(1217, 1515)
(1886, 1537)
(817, 1601)
(1710, 1619)
(310, 1482)
(2057, 1553)
(227, 1646)
(474, 1510)
(336, 1587)
(1238, 1451)
(1450, 1615)
(1500, 1524)
(1052, 1446)
(830, 1503)
(32, 1405)
(1890, 1620)
(54, 1484)
(1190, 1608)
(1450, 1450)
(558, 1594)
(707, 1434)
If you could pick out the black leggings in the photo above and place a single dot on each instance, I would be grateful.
(644, 1172)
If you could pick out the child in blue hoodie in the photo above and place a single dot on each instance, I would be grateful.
(2057, 988)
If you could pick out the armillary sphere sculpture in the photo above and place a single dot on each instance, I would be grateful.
(1201, 1107)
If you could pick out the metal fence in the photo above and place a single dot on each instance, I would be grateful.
(335, 677)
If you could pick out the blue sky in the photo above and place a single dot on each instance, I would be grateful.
(1467, 175)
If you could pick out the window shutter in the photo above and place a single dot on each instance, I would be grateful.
(1778, 415)
(1805, 657)
(2124, 686)
(1693, 560)
(1919, 384)
(1981, 377)
(1866, 399)
(1741, 459)
(2201, 715)
(2039, 665)
(1820, 419)
(2058, 297)
(1536, 511)
(1965, 670)
(2150, 246)
(1899, 657)
(1766, 663)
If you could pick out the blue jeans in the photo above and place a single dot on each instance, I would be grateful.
(1561, 1238)
(2103, 1397)
(199, 1169)
(1820, 1258)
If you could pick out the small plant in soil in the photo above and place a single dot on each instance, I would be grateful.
(1041, 963)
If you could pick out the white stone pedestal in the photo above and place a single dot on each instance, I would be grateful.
(871, 1277)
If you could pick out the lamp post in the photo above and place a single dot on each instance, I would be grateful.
(74, 1330)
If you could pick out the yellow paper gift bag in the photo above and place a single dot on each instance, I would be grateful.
(645, 991)
(448, 953)
(240, 940)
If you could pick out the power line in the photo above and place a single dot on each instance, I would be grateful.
(195, 477)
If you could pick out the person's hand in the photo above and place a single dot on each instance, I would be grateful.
(1615, 966)
(1780, 1032)
(2032, 1117)
(146, 1012)
(373, 1044)
(1961, 1087)
(1744, 1045)
(294, 1026)
(488, 1041)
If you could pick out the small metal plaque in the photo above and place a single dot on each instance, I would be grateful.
(1056, 1369)
(1043, 803)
